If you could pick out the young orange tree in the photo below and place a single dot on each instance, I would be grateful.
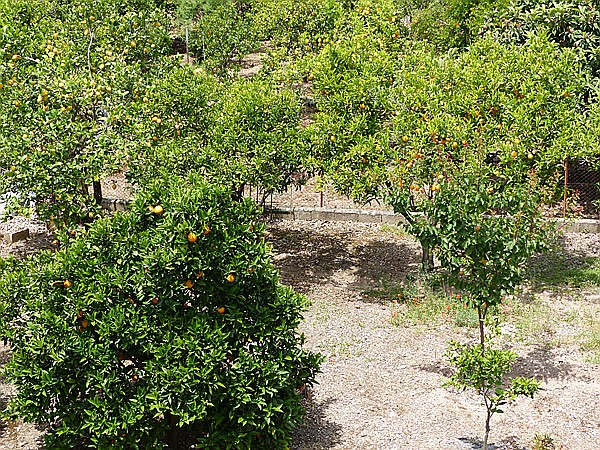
(486, 229)
(167, 317)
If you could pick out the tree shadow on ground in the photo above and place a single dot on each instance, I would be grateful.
(509, 443)
(308, 257)
(543, 364)
(564, 268)
(316, 431)
(539, 363)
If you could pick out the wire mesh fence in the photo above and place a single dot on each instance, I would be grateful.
(580, 186)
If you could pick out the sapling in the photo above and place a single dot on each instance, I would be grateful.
(484, 370)
(487, 227)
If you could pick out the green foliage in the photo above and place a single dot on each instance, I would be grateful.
(454, 24)
(189, 10)
(485, 372)
(238, 133)
(222, 36)
(64, 77)
(484, 231)
(570, 24)
(543, 442)
(167, 316)
(304, 26)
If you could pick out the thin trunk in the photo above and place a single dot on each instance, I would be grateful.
(481, 314)
(172, 435)
(426, 257)
(487, 429)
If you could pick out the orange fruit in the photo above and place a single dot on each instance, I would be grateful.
(67, 283)
(513, 154)
(199, 274)
(158, 209)
(189, 284)
(154, 300)
(80, 314)
(191, 237)
(230, 278)
(132, 301)
(85, 323)
(206, 229)
(221, 310)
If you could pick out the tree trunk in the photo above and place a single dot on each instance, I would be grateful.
(426, 257)
(97, 192)
(481, 316)
(172, 436)
(487, 429)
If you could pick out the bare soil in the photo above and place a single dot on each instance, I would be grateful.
(381, 384)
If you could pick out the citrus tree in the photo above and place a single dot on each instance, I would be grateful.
(64, 76)
(237, 133)
(517, 106)
(167, 317)
(486, 229)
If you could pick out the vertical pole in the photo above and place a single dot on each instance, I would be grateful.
(187, 48)
(566, 187)
(321, 199)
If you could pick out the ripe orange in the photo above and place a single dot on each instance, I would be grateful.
(405, 139)
(67, 283)
(206, 229)
(221, 310)
(230, 278)
(191, 237)
(513, 154)
(80, 314)
(155, 300)
(158, 209)
(189, 284)
(85, 323)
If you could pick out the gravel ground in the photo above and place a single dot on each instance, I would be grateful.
(380, 386)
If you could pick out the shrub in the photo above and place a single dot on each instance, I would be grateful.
(167, 316)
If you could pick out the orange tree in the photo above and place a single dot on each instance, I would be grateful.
(516, 105)
(66, 69)
(237, 133)
(167, 317)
